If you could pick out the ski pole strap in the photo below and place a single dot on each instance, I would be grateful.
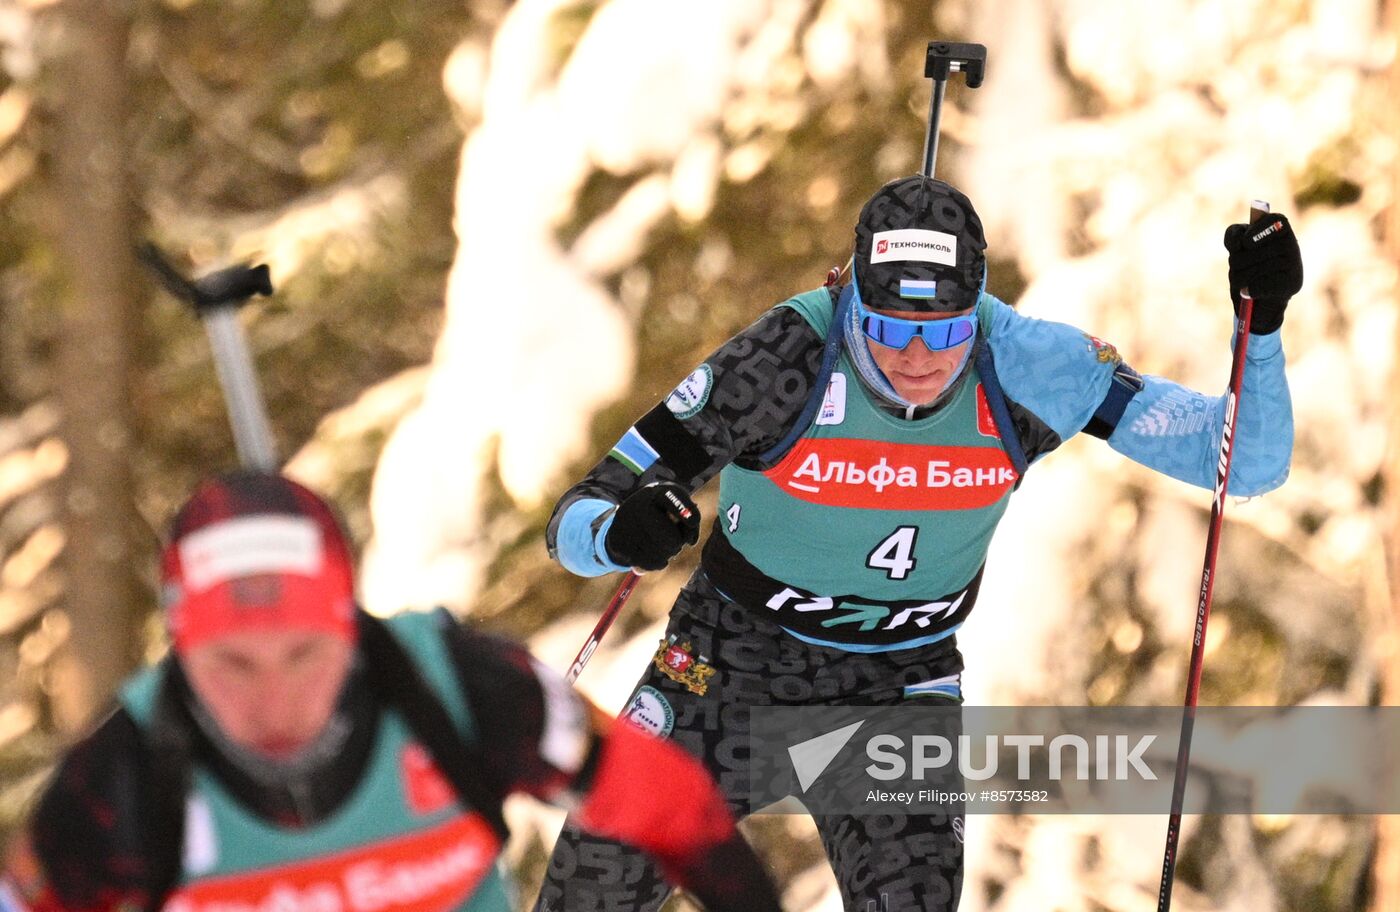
(830, 353)
(1001, 413)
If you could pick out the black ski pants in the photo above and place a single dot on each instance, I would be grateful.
(882, 862)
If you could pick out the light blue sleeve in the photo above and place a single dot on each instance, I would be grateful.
(578, 546)
(1061, 374)
(1177, 431)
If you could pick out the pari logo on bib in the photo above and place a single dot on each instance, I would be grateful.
(253, 551)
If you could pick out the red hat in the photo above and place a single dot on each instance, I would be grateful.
(255, 550)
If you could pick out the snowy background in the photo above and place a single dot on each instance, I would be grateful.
(622, 184)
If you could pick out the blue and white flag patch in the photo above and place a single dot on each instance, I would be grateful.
(634, 452)
(949, 686)
(921, 289)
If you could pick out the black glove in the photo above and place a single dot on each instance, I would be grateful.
(1264, 258)
(652, 525)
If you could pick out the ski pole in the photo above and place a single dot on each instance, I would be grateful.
(943, 58)
(216, 298)
(1257, 210)
(610, 613)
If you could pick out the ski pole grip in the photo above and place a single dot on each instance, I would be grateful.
(678, 510)
(1257, 210)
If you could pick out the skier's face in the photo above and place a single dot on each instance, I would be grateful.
(916, 373)
(270, 691)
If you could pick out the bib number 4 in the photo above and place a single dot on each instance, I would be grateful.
(895, 554)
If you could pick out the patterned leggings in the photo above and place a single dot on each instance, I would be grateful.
(882, 863)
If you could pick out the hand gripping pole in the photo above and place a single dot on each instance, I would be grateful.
(1257, 210)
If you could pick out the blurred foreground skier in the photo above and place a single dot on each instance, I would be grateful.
(858, 496)
(294, 754)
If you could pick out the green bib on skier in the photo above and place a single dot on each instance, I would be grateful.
(403, 841)
(876, 527)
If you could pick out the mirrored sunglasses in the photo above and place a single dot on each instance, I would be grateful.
(938, 335)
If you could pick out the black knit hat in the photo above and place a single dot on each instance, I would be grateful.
(919, 247)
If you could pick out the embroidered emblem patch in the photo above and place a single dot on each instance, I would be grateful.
(677, 662)
(651, 712)
(1106, 353)
(690, 396)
